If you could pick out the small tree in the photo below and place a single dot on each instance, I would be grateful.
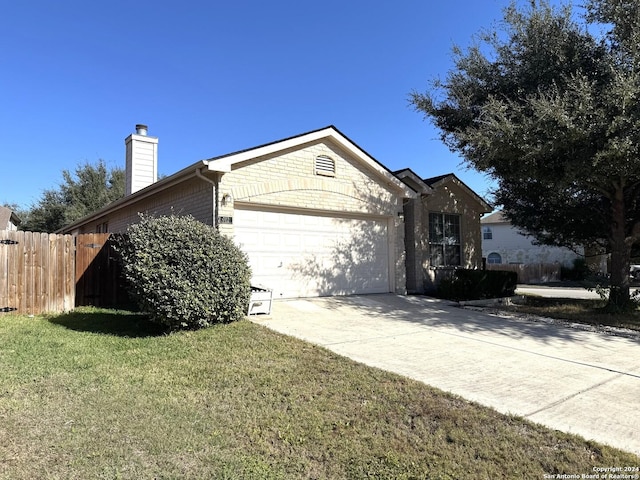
(183, 273)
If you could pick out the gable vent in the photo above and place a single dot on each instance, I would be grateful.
(325, 166)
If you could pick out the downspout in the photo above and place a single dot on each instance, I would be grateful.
(215, 196)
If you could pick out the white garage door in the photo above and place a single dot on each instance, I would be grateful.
(300, 255)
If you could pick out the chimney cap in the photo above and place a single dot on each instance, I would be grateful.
(141, 129)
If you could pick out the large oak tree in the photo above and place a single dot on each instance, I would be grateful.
(548, 104)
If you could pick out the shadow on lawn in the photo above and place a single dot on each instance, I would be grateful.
(117, 323)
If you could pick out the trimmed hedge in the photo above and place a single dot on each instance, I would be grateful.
(183, 273)
(478, 284)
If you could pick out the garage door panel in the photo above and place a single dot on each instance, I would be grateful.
(270, 240)
(292, 239)
(309, 255)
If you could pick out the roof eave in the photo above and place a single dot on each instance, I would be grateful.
(420, 186)
(152, 189)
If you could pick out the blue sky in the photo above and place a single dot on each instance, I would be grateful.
(210, 78)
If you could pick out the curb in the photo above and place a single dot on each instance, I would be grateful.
(488, 302)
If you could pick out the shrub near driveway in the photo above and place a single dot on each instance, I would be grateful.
(96, 394)
(183, 273)
(469, 284)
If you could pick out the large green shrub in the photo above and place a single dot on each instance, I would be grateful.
(183, 273)
(467, 284)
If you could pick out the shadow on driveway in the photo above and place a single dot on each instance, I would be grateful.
(431, 312)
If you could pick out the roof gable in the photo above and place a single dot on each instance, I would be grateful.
(432, 181)
(225, 163)
(441, 180)
(496, 217)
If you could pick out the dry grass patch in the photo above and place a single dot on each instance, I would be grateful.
(98, 394)
(592, 312)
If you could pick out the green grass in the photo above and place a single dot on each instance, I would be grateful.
(101, 394)
(592, 312)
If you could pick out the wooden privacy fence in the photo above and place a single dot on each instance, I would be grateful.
(98, 272)
(36, 272)
(531, 272)
(45, 272)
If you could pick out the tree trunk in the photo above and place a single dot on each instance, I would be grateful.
(620, 256)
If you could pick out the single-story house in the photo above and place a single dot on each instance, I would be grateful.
(315, 213)
(8, 219)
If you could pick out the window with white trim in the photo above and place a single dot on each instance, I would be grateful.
(494, 258)
(325, 165)
(487, 233)
(445, 239)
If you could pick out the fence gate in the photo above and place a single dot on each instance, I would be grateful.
(36, 272)
(4, 275)
(98, 272)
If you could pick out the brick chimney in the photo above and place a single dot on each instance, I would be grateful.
(141, 168)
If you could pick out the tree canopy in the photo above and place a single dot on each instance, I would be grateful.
(83, 191)
(548, 105)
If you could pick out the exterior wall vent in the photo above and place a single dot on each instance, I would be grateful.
(325, 166)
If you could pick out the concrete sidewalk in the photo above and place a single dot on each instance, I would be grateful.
(572, 380)
(560, 292)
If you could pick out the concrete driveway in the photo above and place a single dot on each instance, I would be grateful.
(569, 379)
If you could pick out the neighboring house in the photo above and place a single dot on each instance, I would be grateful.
(8, 219)
(443, 221)
(503, 243)
(315, 213)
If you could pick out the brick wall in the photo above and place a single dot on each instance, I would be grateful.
(289, 179)
(452, 199)
(449, 198)
(193, 196)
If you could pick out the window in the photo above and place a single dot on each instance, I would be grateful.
(444, 239)
(487, 234)
(102, 227)
(494, 258)
(325, 166)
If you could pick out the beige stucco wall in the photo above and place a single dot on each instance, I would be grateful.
(288, 180)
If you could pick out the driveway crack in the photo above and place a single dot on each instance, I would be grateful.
(573, 395)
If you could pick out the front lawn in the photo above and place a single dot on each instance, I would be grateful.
(99, 394)
(591, 312)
